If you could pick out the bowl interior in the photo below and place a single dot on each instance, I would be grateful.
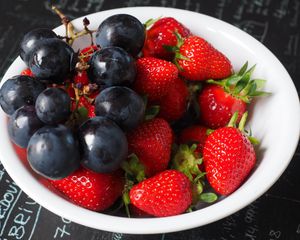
(274, 120)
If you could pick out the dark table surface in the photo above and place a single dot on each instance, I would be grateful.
(275, 215)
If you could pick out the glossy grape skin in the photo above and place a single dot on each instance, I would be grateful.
(22, 125)
(112, 66)
(32, 39)
(122, 30)
(53, 152)
(53, 106)
(52, 60)
(103, 145)
(19, 91)
(122, 105)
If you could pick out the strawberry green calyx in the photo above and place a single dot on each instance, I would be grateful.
(152, 112)
(208, 197)
(241, 86)
(78, 116)
(134, 168)
(187, 161)
(125, 196)
(150, 22)
(241, 126)
(134, 173)
(209, 131)
(176, 50)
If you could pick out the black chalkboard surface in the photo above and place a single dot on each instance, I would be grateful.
(275, 215)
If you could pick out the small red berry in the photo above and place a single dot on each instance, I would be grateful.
(81, 78)
(27, 72)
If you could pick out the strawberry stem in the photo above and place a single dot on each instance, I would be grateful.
(243, 122)
(126, 201)
(233, 120)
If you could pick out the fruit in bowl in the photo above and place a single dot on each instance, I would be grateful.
(127, 147)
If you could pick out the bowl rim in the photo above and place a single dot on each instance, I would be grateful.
(100, 221)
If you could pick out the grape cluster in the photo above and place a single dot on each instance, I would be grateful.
(52, 114)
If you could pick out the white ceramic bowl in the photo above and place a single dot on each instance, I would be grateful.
(275, 120)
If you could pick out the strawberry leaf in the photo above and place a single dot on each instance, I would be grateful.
(243, 69)
(150, 22)
(241, 85)
(209, 131)
(260, 83)
(248, 74)
(152, 112)
(260, 94)
(253, 140)
(208, 197)
(251, 88)
(232, 80)
(199, 176)
(244, 81)
(181, 57)
(83, 112)
(170, 48)
(212, 81)
(199, 187)
(179, 38)
(193, 147)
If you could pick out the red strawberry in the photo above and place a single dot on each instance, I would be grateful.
(166, 194)
(193, 134)
(151, 142)
(91, 111)
(94, 94)
(70, 90)
(228, 157)
(86, 53)
(138, 213)
(174, 104)
(162, 34)
(199, 60)
(154, 77)
(219, 100)
(21, 152)
(27, 72)
(94, 191)
(81, 78)
(218, 106)
(83, 102)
